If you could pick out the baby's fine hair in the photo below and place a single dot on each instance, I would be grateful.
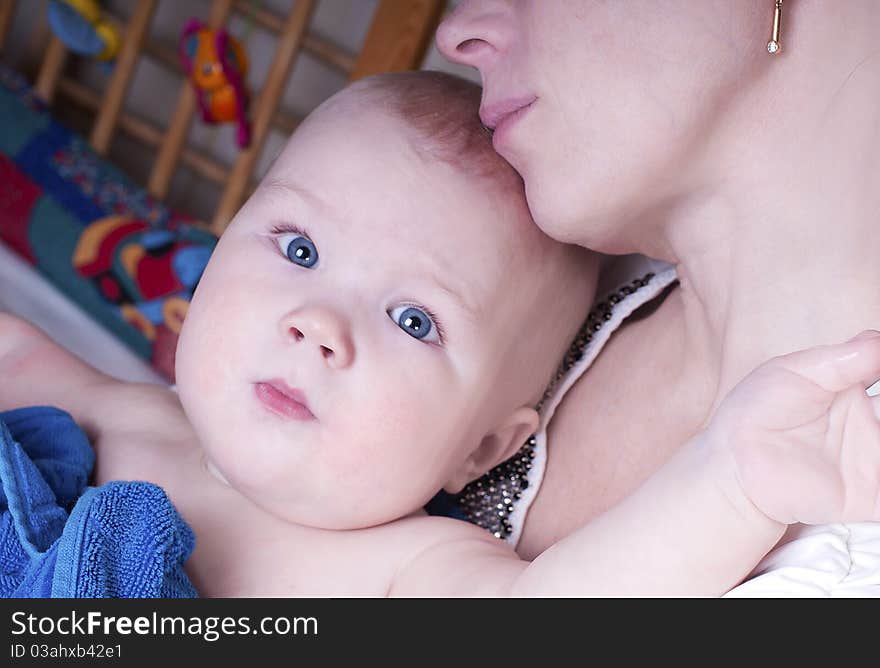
(443, 111)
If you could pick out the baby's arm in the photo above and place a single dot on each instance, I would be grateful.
(689, 530)
(34, 370)
(686, 531)
(797, 441)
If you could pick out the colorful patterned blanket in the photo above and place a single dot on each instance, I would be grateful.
(122, 256)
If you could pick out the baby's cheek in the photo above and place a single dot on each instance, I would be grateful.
(364, 439)
(405, 435)
(215, 343)
(202, 366)
(205, 380)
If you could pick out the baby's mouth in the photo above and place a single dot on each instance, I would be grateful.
(285, 401)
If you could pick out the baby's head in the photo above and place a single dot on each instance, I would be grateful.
(382, 315)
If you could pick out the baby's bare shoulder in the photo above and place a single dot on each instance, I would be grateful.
(37, 371)
(136, 406)
(143, 434)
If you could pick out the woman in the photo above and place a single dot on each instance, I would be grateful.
(672, 130)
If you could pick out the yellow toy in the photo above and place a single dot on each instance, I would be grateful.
(78, 24)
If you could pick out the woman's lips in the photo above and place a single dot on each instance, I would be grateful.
(501, 116)
(283, 400)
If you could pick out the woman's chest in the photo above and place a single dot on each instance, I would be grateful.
(618, 424)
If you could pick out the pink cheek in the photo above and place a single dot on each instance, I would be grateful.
(354, 448)
(203, 370)
(393, 425)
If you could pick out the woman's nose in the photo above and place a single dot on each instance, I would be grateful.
(476, 32)
(325, 330)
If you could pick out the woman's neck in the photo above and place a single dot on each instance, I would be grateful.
(781, 251)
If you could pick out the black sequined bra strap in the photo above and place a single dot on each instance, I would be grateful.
(489, 501)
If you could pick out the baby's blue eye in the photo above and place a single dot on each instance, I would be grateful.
(299, 250)
(415, 322)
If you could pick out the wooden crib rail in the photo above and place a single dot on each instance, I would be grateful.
(175, 138)
(400, 35)
(108, 117)
(397, 39)
(7, 12)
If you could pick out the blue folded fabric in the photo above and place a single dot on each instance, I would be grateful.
(61, 538)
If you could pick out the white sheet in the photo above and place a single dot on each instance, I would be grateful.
(827, 560)
(24, 292)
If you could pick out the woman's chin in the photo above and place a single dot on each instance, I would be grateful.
(555, 221)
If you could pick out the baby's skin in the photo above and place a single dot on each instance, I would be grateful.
(374, 326)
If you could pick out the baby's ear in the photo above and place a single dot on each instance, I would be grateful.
(495, 447)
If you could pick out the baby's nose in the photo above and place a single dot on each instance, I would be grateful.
(323, 328)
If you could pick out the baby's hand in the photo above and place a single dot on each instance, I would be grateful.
(804, 436)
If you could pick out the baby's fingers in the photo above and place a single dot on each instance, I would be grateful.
(837, 367)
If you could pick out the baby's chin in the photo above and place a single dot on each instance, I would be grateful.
(321, 515)
(325, 519)
(301, 499)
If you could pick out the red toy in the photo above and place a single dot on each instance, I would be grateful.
(216, 65)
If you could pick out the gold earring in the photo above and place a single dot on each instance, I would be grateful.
(774, 46)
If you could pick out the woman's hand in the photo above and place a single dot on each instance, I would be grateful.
(804, 435)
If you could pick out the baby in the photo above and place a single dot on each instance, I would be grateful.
(377, 323)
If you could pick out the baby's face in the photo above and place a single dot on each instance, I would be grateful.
(342, 351)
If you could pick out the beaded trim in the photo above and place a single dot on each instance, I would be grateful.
(489, 500)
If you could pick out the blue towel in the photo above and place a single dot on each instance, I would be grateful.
(61, 538)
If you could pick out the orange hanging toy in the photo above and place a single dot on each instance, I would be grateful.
(216, 64)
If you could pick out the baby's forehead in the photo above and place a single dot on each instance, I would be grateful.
(378, 174)
(351, 149)
(437, 132)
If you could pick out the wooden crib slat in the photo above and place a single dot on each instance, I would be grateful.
(7, 13)
(329, 52)
(399, 36)
(50, 70)
(123, 70)
(282, 120)
(320, 47)
(264, 108)
(144, 131)
(79, 93)
(173, 142)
